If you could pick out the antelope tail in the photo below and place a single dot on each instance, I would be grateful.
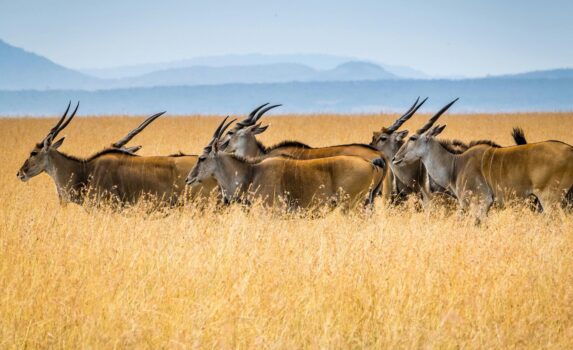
(384, 187)
(518, 136)
(380, 163)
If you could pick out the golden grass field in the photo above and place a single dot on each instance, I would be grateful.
(395, 278)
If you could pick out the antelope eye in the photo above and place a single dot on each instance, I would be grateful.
(33, 153)
(202, 158)
(413, 138)
(383, 138)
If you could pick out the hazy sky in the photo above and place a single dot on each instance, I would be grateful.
(457, 37)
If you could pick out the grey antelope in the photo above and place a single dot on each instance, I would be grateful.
(284, 181)
(409, 178)
(484, 174)
(114, 173)
(413, 178)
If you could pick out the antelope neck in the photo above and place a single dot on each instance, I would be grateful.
(70, 175)
(233, 175)
(440, 164)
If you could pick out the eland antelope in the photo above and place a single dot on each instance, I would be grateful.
(484, 174)
(409, 178)
(112, 174)
(413, 178)
(242, 142)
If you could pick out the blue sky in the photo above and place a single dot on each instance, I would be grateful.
(447, 38)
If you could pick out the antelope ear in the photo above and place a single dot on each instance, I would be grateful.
(58, 143)
(400, 135)
(252, 129)
(428, 133)
(260, 129)
(225, 144)
(438, 130)
(249, 128)
(434, 131)
(47, 143)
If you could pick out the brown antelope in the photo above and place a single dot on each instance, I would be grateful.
(282, 180)
(484, 174)
(185, 161)
(243, 143)
(114, 173)
(519, 137)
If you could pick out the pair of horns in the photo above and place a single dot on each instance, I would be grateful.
(432, 120)
(219, 132)
(398, 123)
(61, 124)
(255, 115)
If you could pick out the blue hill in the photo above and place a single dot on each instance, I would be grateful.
(20, 69)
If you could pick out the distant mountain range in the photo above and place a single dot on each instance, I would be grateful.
(316, 61)
(22, 70)
(269, 73)
(31, 84)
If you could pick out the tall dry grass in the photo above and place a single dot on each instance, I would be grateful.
(394, 278)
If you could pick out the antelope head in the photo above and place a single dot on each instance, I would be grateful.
(244, 141)
(207, 161)
(416, 146)
(38, 161)
(243, 133)
(389, 140)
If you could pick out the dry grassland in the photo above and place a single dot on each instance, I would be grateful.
(396, 278)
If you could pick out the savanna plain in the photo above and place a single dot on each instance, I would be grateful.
(393, 277)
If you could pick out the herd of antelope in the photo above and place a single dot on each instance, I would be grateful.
(236, 167)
